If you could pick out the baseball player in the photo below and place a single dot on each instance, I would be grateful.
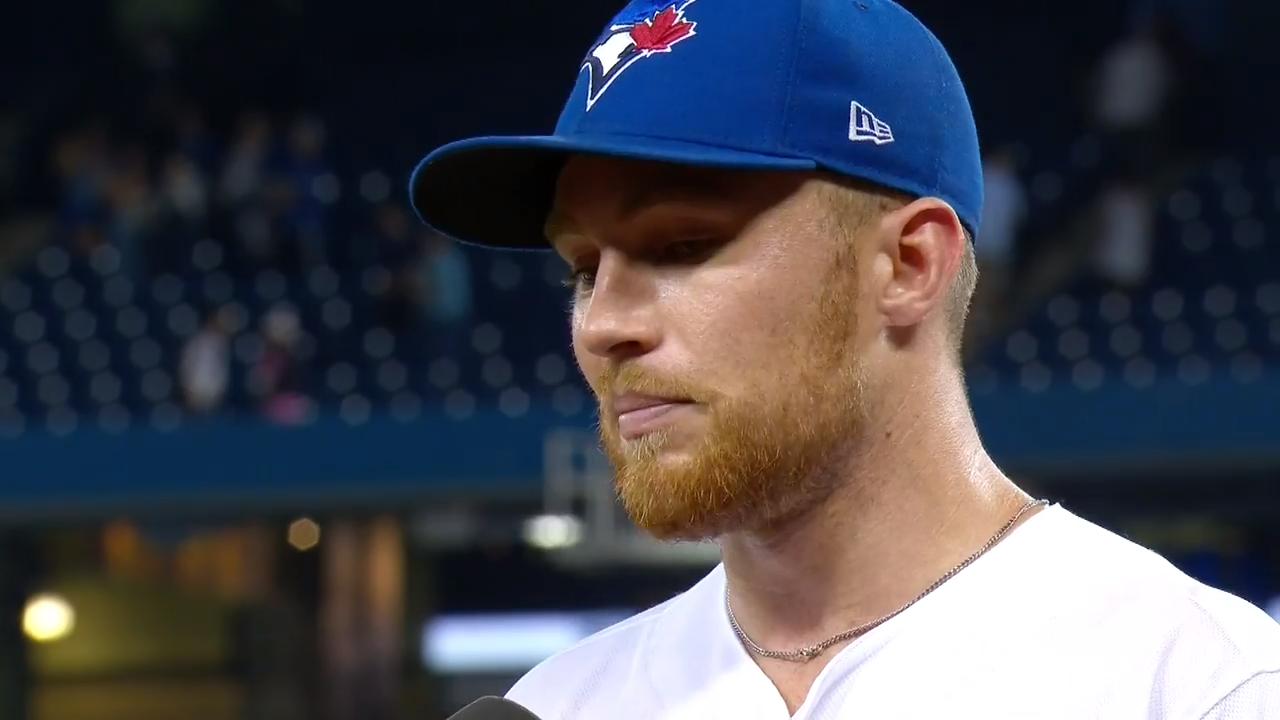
(768, 210)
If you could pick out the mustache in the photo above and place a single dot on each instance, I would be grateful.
(616, 380)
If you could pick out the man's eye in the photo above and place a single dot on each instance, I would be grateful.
(693, 250)
(580, 280)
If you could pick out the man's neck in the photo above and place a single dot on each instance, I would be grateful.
(918, 500)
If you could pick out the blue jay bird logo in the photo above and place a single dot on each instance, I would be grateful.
(644, 31)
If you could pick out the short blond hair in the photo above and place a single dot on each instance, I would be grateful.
(855, 204)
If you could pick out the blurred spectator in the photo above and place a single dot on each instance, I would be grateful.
(1134, 81)
(392, 243)
(279, 371)
(205, 367)
(1134, 84)
(184, 207)
(133, 209)
(1003, 211)
(184, 192)
(241, 188)
(444, 289)
(245, 167)
(1123, 250)
(81, 164)
(393, 239)
(308, 178)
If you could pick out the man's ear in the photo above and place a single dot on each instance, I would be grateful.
(921, 247)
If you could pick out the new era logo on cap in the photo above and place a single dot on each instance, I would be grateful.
(864, 125)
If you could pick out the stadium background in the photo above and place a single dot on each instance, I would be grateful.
(285, 454)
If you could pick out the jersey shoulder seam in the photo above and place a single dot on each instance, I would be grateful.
(1227, 695)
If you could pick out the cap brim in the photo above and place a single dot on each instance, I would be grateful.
(497, 191)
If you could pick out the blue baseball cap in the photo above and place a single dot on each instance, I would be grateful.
(859, 88)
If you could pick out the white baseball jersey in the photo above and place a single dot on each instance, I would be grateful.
(1062, 619)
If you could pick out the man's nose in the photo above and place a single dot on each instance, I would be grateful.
(619, 319)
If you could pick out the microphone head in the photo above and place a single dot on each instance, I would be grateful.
(493, 708)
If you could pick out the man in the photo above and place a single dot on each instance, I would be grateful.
(766, 208)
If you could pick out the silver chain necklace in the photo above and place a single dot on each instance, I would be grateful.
(805, 654)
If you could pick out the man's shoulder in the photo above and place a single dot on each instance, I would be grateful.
(1196, 642)
(1114, 567)
(1091, 562)
(595, 669)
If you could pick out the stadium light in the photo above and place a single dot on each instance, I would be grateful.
(48, 617)
(551, 532)
(304, 534)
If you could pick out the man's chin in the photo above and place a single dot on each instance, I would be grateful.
(681, 530)
(654, 508)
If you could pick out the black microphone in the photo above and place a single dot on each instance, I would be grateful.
(493, 708)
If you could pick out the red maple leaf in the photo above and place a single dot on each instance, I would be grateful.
(660, 33)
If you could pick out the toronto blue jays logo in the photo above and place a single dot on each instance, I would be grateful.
(640, 31)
